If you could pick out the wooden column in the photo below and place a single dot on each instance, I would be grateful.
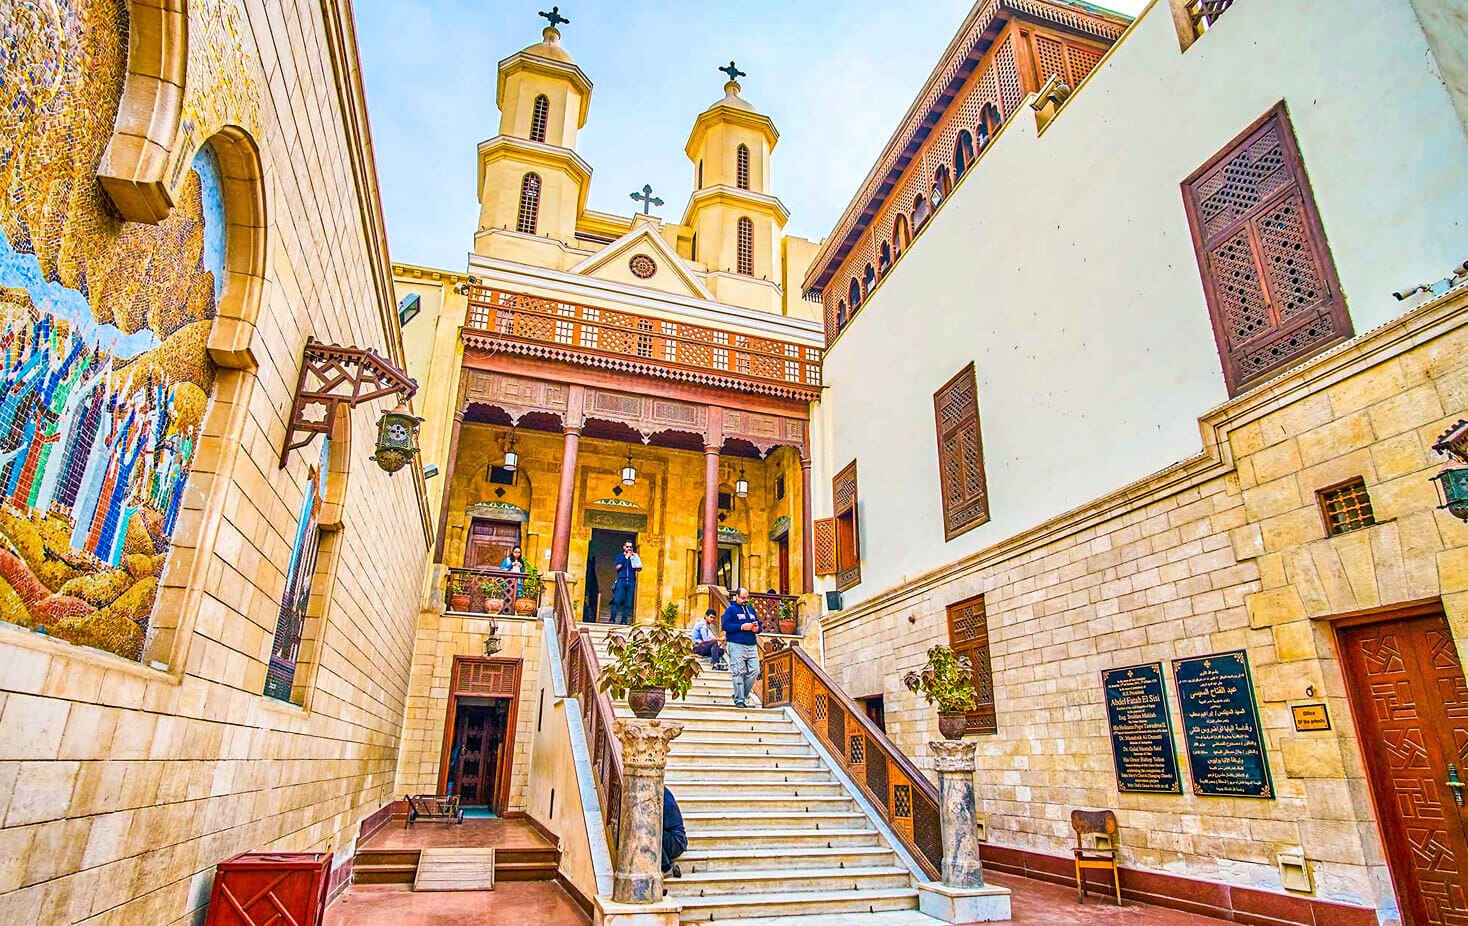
(807, 531)
(566, 494)
(448, 485)
(713, 442)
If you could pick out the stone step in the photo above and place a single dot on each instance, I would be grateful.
(805, 903)
(677, 710)
(686, 761)
(786, 881)
(774, 820)
(751, 721)
(754, 857)
(700, 789)
(789, 837)
(771, 750)
(790, 737)
(737, 800)
(703, 776)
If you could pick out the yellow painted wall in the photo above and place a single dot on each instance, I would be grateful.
(563, 115)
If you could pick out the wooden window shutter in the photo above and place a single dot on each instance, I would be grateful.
(1270, 282)
(960, 454)
(848, 531)
(824, 538)
(968, 635)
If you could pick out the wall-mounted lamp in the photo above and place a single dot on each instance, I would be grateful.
(1452, 482)
(629, 472)
(397, 439)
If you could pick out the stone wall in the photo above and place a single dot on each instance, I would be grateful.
(122, 783)
(1224, 551)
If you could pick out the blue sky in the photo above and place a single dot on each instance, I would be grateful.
(834, 77)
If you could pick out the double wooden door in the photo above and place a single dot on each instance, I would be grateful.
(1411, 706)
(490, 542)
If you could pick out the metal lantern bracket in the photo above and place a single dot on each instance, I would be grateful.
(332, 376)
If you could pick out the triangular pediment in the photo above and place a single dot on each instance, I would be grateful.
(617, 262)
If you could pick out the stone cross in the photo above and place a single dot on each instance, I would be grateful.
(647, 199)
(555, 18)
(637, 876)
(733, 71)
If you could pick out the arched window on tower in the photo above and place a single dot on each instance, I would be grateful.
(868, 280)
(699, 184)
(538, 117)
(841, 315)
(988, 125)
(884, 263)
(529, 217)
(853, 294)
(746, 246)
(901, 235)
(741, 167)
(920, 212)
(963, 154)
(694, 247)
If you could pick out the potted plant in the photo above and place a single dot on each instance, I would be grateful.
(947, 681)
(527, 596)
(647, 665)
(787, 616)
(495, 593)
(458, 593)
(668, 616)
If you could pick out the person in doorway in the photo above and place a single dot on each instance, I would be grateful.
(741, 630)
(706, 641)
(514, 561)
(624, 588)
(675, 838)
(591, 607)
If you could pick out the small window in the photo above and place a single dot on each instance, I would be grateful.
(1202, 14)
(746, 246)
(726, 501)
(741, 167)
(779, 487)
(538, 117)
(876, 711)
(1346, 507)
(694, 246)
(988, 125)
(920, 211)
(963, 153)
(529, 218)
(699, 184)
(962, 483)
(901, 235)
(841, 315)
(853, 294)
(868, 280)
(942, 184)
(498, 475)
(884, 262)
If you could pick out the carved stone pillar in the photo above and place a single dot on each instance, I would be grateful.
(565, 502)
(709, 574)
(638, 875)
(807, 531)
(962, 896)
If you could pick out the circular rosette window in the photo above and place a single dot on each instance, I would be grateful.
(642, 266)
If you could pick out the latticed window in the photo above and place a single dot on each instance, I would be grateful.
(968, 635)
(901, 235)
(1268, 276)
(848, 531)
(1204, 13)
(853, 294)
(529, 218)
(1346, 507)
(290, 623)
(746, 246)
(988, 124)
(741, 167)
(539, 115)
(960, 454)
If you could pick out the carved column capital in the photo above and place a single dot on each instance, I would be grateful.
(645, 742)
(953, 755)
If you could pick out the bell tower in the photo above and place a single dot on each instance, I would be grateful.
(532, 183)
(737, 222)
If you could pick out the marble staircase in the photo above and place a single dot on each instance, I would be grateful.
(774, 836)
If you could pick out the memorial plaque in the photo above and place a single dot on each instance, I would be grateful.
(1141, 733)
(1221, 725)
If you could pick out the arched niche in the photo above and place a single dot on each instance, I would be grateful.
(243, 189)
(338, 467)
(133, 166)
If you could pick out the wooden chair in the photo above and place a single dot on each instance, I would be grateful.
(1095, 823)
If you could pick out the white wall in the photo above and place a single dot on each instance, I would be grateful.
(1063, 265)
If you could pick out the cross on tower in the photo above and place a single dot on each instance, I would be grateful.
(647, 199)
(732, 70)
(555, 18)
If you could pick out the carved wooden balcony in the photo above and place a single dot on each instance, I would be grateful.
(640, 344)
(1204, 13)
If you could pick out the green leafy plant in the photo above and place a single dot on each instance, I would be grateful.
(494, 587)
(787, 610)
(668, 617)
(530, 585)
(946, 681)
(656, 656)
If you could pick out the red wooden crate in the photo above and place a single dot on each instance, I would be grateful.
(270, 889)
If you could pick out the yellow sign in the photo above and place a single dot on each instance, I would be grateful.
(1310, 717)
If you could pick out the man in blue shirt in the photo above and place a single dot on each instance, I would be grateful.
(741, 633)
(624, 589)
(706, 638)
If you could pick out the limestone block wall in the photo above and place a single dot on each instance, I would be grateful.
(122, 784)
(1224, 551)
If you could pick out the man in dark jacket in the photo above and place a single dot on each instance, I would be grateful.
(741, 633)
(624, 588)
(675, 838)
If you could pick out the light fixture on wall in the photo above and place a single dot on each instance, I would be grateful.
(1452, 482)
(512, 459)
(741, 485)
(492, 640)
(397, 439)
(629, 472)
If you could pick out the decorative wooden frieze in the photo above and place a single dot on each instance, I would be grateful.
(764, 431)
(333, 376)
(517, 395)
(960, 454)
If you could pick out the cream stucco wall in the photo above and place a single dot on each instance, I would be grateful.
(1063, 266)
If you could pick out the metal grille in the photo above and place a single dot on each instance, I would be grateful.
(538, 118)
(746, 247)
(902, 801)
(741, 167)
(1289, 269)
(1347, 507)
(529, 218)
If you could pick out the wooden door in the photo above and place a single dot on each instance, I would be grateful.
(782, 550)
(1411, 707)
(473, 756)
(490, 542)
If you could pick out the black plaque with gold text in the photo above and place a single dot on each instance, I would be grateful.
(1221, 724)
(1141, 734)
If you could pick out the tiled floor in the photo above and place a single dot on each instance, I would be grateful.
(511, 903)
(1038, 903)
(471, 834)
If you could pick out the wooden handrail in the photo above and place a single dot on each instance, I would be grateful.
(904, 796)
(582, 677)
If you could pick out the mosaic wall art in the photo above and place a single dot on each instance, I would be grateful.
(105, 376)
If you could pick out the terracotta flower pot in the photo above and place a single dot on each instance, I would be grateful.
(494, 605)
(647, 703)
(458, 602)
(787, 625)
(951, 724)
(525, 606)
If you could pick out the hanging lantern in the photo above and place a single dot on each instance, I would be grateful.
(741, 485)
(1452, 482)
(629, 472)
(397, 439)
(492, 642)
(512, 459)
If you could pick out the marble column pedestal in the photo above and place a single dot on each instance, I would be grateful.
(637, 878)
(962, 896)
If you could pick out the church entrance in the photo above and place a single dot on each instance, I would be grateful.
(601, 571)
(479, 733)
(1410, 703)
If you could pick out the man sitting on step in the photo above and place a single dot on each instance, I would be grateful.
(675, 838)
(706, 640)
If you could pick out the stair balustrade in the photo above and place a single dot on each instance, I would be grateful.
(904, 797)
(582, 677)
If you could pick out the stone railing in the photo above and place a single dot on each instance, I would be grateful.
(486, 591)
(905, 798)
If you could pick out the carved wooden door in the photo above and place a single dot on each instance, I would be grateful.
(1411, 705)
(474, 756)
(782, 551)
(490, 542)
